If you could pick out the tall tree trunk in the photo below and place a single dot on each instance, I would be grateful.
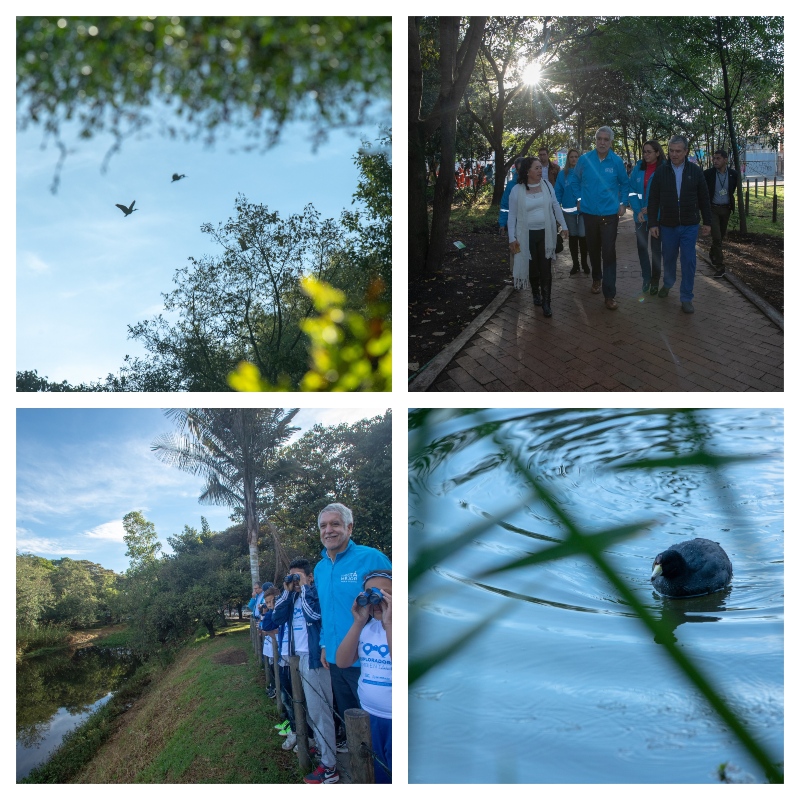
(455, 67)
(729, 118)
(417, 172)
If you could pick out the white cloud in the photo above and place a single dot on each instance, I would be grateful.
(39, 544)
(112, 531)
(33, 263)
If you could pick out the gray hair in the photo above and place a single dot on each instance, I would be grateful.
(682, 139)
(605, 129)
(343, 511)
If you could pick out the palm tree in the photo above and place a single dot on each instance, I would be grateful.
(237, 451)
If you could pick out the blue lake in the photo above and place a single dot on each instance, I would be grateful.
(562, 683)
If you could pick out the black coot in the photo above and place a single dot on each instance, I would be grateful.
(692, 568)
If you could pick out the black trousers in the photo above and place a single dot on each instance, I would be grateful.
(601, 239)
(539, 267)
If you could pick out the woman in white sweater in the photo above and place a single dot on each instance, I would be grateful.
(532, 233)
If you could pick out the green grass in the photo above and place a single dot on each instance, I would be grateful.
(759, 220)
(120, 638)
(33, 641)
(203, 719)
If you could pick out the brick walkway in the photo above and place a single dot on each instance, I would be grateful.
(646, 344)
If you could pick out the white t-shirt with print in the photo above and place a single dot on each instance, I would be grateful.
(375, 683)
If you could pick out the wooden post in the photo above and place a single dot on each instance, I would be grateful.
(747, 199)
(359, 743)
(276, 666)
(774, 207)
(298, 704)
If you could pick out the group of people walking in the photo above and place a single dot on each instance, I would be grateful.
(583, 203)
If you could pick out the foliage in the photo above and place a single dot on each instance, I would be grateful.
(34, 588)
(141, 540)
(255, 73)
(349, 352)
(351, 464)
(61, 595)
(370, 252)
(237, 451)
(575, 543)
(246, 303)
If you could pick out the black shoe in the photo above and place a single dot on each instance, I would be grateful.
(586, 269)
(720, 273)
(537, 299)
(546, 310)
(575, 270)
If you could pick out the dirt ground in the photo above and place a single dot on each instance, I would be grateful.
(440, 307)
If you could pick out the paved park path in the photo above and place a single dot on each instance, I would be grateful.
(646, 344)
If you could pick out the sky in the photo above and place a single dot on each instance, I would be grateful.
(85, 271)
(81, 470)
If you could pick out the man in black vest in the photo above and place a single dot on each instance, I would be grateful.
(678, 198)
(722, 183)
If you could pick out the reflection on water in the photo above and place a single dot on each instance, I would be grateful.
(563, 684)
(56, 692)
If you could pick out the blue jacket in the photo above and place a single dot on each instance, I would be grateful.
(565, 192)
(309, 605)
(638, 196)
(602, 186)
(268, 624)
(338, 582)
(503, 218)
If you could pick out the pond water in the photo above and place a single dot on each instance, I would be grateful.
(58, 691)
(560, 682)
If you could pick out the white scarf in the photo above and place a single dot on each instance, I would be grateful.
(522, 259)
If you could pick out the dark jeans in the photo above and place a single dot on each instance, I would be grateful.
(719, 227)
(286, 695)
(344, 681)
(601, 239)
(650, 262)
(541, 273)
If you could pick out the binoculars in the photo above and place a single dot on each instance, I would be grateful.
(370, 597)
(293, 578)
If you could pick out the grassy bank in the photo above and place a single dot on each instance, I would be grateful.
(203, 719)
(759, 220)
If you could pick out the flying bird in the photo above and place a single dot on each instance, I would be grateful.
(127, 210)
(176, 177)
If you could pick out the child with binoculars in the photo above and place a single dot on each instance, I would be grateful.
(370, 640)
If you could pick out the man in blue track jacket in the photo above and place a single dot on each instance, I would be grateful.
(338, 577)
(602, 189)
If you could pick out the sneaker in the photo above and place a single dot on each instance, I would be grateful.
(281, 725)
(285, 731)
(687, 307)
(654, 288)
(312, 751)
(341, 746)
(611, 303)
(271, 693)
(323, 774)
(663, 291)
(291, 741)
(645, 287)
(720, 273)
(596, 286)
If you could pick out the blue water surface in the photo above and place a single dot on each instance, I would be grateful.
(563, 683)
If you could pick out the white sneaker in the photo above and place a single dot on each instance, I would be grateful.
(290, 742)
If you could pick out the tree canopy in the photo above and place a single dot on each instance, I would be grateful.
(114, 74)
